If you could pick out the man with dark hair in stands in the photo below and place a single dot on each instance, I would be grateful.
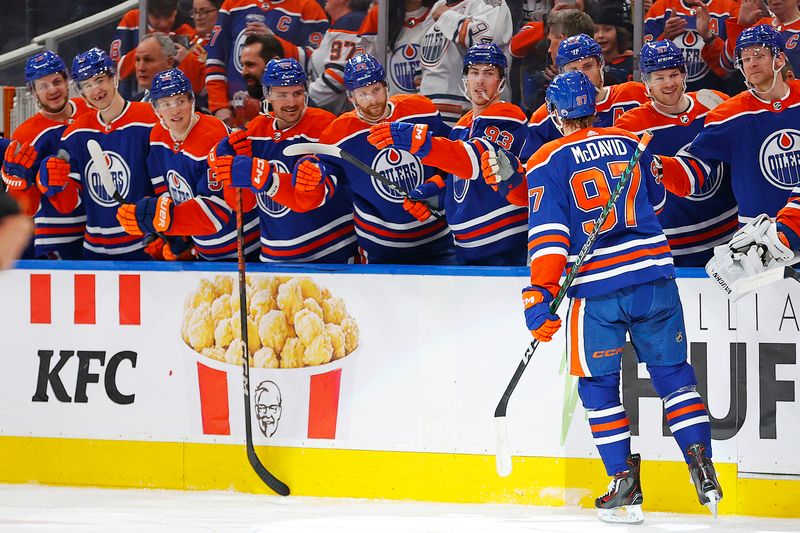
(257, 51)
(163, 17)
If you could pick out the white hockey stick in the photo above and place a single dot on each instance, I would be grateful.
(708, 98)
(752, 283)
(99, 160)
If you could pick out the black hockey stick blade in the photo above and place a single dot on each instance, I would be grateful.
(278, 486)
(335, 151)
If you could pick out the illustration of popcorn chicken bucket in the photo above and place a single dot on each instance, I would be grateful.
(299, 337)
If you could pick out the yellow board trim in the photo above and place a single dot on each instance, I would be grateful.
(374, 474)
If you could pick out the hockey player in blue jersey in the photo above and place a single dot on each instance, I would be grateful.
(694, 224)
(122, 130)
(626, 286)
(487, 229)
(192, 206)
(294, 228)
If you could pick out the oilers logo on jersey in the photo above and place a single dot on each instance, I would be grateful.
(179, 188)
(779, 158)
(404, 65)
(691, 45)
(120, 173)
(267, 204)
(434, 45)
(401, 168)
(460, 189)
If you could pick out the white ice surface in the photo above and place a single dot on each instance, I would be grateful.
(63, 509)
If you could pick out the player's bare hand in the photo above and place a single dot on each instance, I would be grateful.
(674, 26)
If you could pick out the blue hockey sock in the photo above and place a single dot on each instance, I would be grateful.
(683, 407)
(607, 420)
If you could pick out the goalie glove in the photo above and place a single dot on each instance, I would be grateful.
(501, 169)
(761, 234)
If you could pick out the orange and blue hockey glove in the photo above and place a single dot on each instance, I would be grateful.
(53, 175)
(17, 170)
(541, 322)
(148, 215)
(413, 138)
(421, 199)
(237, 143)
(308, 173)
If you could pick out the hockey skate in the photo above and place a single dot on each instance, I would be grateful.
(704, 477)
(622, 504)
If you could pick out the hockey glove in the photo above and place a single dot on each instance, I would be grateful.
(762, 233)
(53, 175)
(541, 322)
(308, 173)
(17, 170)
(148, 215)
(251, 172)
(501, 169)
(237, 143)
(413, 138)
(423, 198)
(179, 248)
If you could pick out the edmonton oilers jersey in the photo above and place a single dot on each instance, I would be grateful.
(322, 235)
(619, 99)
(570, 180)
(698, 73)
(184, 169)
(693, 224)
(300, 22)
(481, 219)
(125, 143)
(54, 232)
(761, 142)
(384, 228)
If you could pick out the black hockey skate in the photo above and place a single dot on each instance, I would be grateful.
(623, 501)
(704, 477)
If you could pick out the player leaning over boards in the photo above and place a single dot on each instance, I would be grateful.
(697, 223)
(192, 206)
(294, 228)
(488, 230)
(122, 130)
(625, 286)
(56, 235)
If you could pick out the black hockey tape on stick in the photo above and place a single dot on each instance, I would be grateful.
(278, 486)
(503, 451)
(335, 151)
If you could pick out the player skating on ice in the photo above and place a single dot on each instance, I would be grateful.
(487, 229)
(626, 285)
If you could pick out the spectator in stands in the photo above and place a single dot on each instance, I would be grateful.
(204, 14)
(162, 16)
(337, 46)
(257, 51)
(460, 24)
(786, 21)
(409, 20)
(613, 31)
(679, 21)
(156, 52)
(537, 54)
(299, 22)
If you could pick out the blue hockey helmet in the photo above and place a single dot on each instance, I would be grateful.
(660, 55)
(362, 70)
(571, 95)
(283, 72)
(761, 35)
(43, 64)
(486, 54)
(89, 64)
(169, 83)
(577, 47)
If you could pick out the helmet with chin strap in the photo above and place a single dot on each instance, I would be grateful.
(89, 64)
(363, 70)
(43, 64)
(660, 55)
(170, 83)
(762, 35)
(486, 54)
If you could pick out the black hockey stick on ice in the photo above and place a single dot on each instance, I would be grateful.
(271, 481)
(503, 451)
(335, 151)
